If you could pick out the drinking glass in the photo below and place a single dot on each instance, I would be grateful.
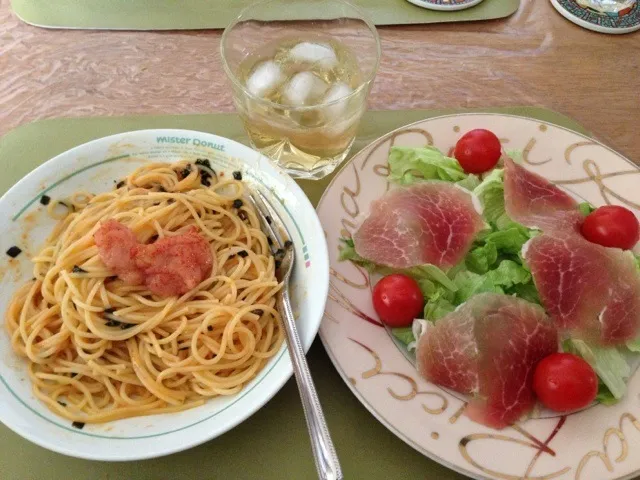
(301, 87)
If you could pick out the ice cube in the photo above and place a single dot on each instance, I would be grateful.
(337, 91)
(314, 53)
(265, 78)
(304, 88)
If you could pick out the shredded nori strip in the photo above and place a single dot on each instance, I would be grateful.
(14, 251)
(77, 269)
(44, 200)
(186, 172)
(206, 172)
(78, 425)
(205, 178)
(288, 244)
(111, 321)
(237, 203)
(268, 218)
(237, 175)
(68, 206)
(210, 328)
(243, 253)
(269, 241)
(62, 403)
(120, 184)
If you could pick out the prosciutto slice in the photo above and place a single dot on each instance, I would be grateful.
(590, 291)
(534, 201)
(489, 348)
(429, 222)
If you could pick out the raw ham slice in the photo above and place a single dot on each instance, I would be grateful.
(429, 222)
(534, 201)
(592, 292)
(489, 347)
(448, 355)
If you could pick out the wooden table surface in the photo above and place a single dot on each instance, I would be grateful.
(534, 57)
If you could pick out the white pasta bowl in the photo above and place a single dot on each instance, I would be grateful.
(93, 167)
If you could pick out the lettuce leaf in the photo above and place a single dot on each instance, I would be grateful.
(405, 334)
(429, 277)
(526, 291)
(348, 252)
(480, 259)
(408, 165)
(511, 239)
(634, 345)
(470, 183)
(434, 273)
(438, 305)
(604, 395)
(470, 284)
(491, 195)
(515, 155)
(609, 363)
(509, 274)
(586, 208)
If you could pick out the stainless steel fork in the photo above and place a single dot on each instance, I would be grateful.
(324, 453)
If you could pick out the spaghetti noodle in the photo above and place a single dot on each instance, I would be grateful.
(99, 349)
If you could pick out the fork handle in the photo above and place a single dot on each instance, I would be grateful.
(324, 453)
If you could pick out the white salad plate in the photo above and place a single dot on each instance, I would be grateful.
(94, 167)
(599, 443)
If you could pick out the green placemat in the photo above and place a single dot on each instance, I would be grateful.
(198, 14)
(273, 443)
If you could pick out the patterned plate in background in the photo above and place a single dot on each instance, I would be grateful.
(579, 12)
(446, 5)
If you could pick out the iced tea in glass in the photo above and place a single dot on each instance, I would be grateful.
(301, 87)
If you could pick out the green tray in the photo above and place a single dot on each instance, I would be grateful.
(273, 443)
(199, 14)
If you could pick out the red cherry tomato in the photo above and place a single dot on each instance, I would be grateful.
(564, 382)
(612, 226)
(397, 300)
(478, 151)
